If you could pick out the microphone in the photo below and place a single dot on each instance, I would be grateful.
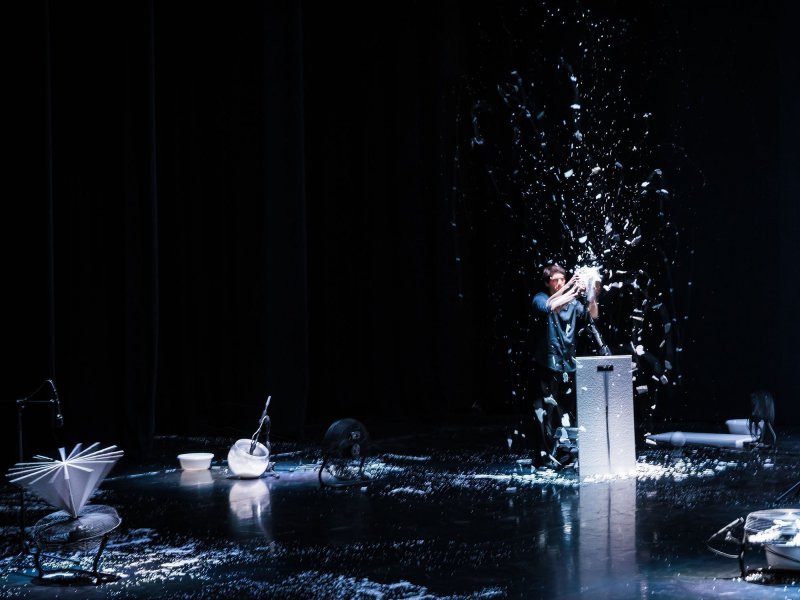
(59, 416)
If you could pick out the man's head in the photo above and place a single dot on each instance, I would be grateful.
(554, 278)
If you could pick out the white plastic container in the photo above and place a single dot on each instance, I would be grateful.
(195, 461)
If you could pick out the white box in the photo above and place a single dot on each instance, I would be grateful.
(606, 438)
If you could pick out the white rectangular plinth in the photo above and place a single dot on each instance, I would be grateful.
(606, 442)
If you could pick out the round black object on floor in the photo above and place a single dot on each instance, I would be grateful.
(345, 447)
(60, 531)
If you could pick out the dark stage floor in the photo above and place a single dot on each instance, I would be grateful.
(448, 513)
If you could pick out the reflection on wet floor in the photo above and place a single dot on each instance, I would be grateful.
(453, 514)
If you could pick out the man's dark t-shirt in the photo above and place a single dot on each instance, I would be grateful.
(555, 333)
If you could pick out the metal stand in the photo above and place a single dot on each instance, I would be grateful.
(58, 420)
(604, 350)
(792, 491)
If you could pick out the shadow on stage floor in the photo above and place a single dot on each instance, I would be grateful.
(451, 512)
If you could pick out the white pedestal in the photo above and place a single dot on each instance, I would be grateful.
(606, 442)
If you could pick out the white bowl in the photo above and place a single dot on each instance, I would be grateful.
(247, 465)
(195, 461)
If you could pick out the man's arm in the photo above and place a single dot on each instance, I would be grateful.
(566, 294)
(561, 298)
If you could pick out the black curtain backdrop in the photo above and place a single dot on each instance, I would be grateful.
(215, 203)
(168, 141)
(389, 333)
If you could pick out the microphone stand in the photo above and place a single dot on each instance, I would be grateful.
(58, 420)
(604, 350)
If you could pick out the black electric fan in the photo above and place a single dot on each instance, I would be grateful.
(345, 448)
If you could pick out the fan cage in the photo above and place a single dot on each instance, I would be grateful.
(345, 447)
(60, 530)
(776, 526)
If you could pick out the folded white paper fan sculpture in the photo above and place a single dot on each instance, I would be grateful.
(68, 483)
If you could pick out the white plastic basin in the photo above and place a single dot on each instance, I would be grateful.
(195, 461)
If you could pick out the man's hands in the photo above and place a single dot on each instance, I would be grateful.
(574, 288)
(571, 290)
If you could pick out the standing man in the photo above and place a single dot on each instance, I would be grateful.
(556, 313)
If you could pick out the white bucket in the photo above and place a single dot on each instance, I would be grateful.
(247, 465)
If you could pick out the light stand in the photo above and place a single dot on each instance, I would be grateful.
(58, 420)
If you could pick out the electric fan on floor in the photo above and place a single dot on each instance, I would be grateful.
(777, 531)
(345, 447)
